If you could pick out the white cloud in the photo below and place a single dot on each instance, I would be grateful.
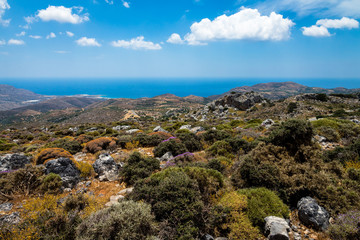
(21, 34)
(245, 24)
(63, 15)
(329, 8)
(70, 34)
(175, 39)
(87, 42)
(109, 2)
(322, 26)
(51, 35)
(16, 42)
(136, 44)
(3, 7)
(316, 31)
(2, 42)
(35, 36)
(61, 52)
(126, 4)
(342, 23)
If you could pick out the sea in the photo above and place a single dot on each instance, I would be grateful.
(150, 87)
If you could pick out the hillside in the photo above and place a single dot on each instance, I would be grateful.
(280, 90)
(11, 97)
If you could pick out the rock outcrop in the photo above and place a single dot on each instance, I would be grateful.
(106, 168)
(276, 228)
(313, 215)
(14, 161)
(66, 169)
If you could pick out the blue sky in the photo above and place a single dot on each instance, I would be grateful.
(180, 38)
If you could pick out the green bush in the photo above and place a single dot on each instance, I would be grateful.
(263, 203)
(220, 148)
(292, 107)
(76, 203)
(69, 145)
(218, 164)
(138, 167)
(127, 220)
(292, 134)
(191, 141)
(5, 145)
(211, 136)
(147, 140)
(329, 133)
(178, 197)
(173, 146)
(51, 183)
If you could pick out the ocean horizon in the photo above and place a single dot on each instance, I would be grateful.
(150, 87)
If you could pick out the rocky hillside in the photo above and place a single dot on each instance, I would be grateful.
(11, 97)
(281, 90)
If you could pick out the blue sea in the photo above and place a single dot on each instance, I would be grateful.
(136, 88)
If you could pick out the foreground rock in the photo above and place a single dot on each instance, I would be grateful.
(14, 161)
(13, 218)
(6, 207)
(276, 228)
(313, 215)
(159, 129)
(66, 169)
(106, 168)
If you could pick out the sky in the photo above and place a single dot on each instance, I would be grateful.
(180, 39)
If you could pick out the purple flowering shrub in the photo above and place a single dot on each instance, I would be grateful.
(346, 226)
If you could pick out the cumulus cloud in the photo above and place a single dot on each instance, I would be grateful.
(21, 34)
(316, 31)
(16, 42)
(126, 4)
(62, 14)
(35, 36)
(321, 29)
(87, 42)
(51, 35)
(3, 7)
(136, 44)
(245, 24)
(342, 23)
(70, 34)
(175, 39)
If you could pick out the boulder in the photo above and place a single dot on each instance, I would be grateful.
(119, 128)
(106, 168)
(159, 129)
(197, 129)
(267, 123)
(313, 215)
(13, 218)
(66, 169)
(14, 161)
(187, 127)
(276, 228)
(166, 157)
(241, 101)
(207, 237)
(131, 131)
(6, 207)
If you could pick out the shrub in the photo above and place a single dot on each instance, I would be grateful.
(69, 145)
(329, 133)
(211, 136)
(86, 169)
(126, 220)
(191, 141)
(76, 203)
(218, 164)
(263, 203)
(138, 167)
(5, 145)
(292, 134)
(321, 97)
(52, 153)
(292, 107)
(346, 226)
(148, 140)
(22, 181)
(238, 144)
(220, 148)
(173, 146)
(51, 183)
(103, 143)
(235, 225)
(83, 138)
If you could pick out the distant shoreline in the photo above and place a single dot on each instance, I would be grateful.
(150, 87)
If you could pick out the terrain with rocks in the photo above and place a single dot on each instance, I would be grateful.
(242, 166)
